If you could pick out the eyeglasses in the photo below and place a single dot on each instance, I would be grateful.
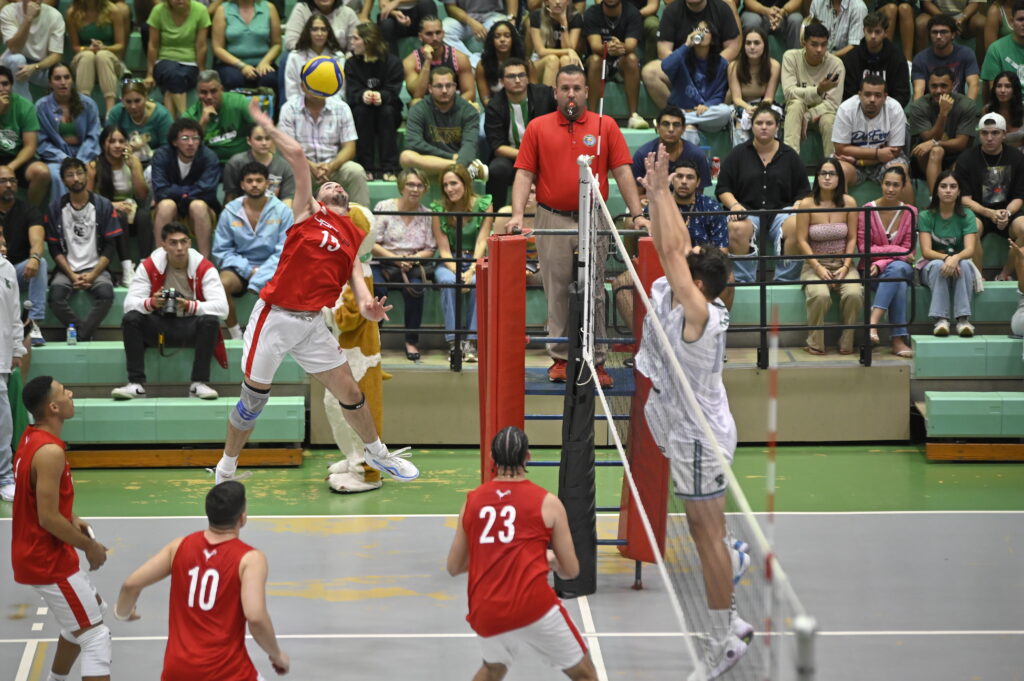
(189, 138)
(516, 76)
(828, 173)
(8, 180)
(443, 86)
(414, 185)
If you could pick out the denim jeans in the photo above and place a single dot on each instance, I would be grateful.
(892, 295)
(443, 275)
(963, 290)
(785, 270)
(36, 288)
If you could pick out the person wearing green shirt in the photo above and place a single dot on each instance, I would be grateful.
(19, 133)
(144, 121)
(177, 47)
(1007, 53)
(224, 117)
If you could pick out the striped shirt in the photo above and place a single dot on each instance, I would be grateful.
(321, 138)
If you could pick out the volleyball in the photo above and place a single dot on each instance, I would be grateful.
(322, 76)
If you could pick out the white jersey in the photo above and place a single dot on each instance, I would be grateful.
(666, 410)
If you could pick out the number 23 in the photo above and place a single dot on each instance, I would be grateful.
(508, 516)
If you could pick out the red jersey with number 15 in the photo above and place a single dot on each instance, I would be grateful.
(315, 263)
(508, 565)
(206, 639)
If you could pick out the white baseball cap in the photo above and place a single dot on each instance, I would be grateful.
(992, 120)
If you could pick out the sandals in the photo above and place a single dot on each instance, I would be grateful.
(873, 337)
(813, 351)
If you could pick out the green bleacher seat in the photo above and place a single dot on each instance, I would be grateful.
(975, 414)
(178, 420)
(978, 357)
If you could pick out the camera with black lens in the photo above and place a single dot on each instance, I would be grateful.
(169, 307)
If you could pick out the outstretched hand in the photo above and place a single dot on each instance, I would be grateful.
(259, 117)
(375, 310)
(656, 165)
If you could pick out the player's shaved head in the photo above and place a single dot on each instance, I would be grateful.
(225, 504)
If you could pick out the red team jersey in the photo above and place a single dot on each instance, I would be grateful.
(315, 263)
(508, 565)
(206, 641)
(36, 555)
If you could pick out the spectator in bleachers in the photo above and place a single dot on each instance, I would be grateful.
(246, 41)
(901, 13)
(98, 39)
(34, 38)
(869, 135)
(678, 21)
(892, 257)
(327, 132)
(753, 77)
(280, 177)
(968, 17)
(762, 174)
(442, 129)
(223, 116)
(998, 21)
(373, 86)
(1007, 53)
(941, 126)
(876, 54)
(82, 229)
(342, 20)
(780, 18)
(949, 235)
(699, 84)
(812, 85)
(316, 40)
(22, 225)
(193, 322)
(185, 175)
(249, 237)
(19, 138)
(508, 113)
(177, 50)
(144, 121)
(399, 18)
(117, 175)
(433, 54)
(405, 235)
(555, 29)
(457, 196)
(844, 20)
(503, 42)
(69, 126)
(1005, 98)
(468, 19)
(613, 30)
(829, 233)
(991, 184)
(670, 123)
(11, 352)
(651, 21)
(944, 51)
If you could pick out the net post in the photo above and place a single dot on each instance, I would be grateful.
(504, 341)
(806, 629)
(483, 272)
(650, 467)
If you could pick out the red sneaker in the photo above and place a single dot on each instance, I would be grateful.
(604, 377)
(556, 372)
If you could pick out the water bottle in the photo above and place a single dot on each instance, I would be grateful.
(716, 165)
(72, 335)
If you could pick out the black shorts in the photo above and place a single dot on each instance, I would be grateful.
(183, 205)
(171, 76)
(19, 172)
(241, 278)
(990, 227)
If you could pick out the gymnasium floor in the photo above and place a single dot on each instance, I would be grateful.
(912, 569)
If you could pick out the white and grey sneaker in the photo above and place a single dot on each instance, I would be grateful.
(740, 563)
(35, 334)
(478, 170)
(720, 657)
(964, 328)
(7, 492)
(202, 391)
(396, 464)
(742, 629)
(128, 392)
(220, 476)
(941, 328)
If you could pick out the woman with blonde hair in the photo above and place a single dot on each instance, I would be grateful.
(97, 36)
(555, 30)
(144, 121)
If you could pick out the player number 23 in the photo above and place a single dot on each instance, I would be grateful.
(508, 520)
(207, 588)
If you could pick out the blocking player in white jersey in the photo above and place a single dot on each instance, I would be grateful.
(686, 301)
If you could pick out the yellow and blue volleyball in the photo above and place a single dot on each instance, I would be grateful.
(322, 76)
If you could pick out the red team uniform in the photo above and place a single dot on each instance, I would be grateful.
(508, 571)
(206, 641)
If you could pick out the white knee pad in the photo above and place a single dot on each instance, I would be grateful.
(250, 405)
(96, 648)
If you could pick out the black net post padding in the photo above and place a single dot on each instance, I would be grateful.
(576, 479)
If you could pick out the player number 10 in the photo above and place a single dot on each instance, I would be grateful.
(207, 588)
(508, 518)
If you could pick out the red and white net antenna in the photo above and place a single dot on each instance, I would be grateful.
(771, 601)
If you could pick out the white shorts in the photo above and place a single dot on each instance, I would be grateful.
(73, 601)
(553, 636)
(273, 332)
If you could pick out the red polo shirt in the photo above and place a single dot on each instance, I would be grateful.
(562, 141)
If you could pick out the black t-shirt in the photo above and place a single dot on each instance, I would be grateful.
(575, 21)
(629, 24)
(679, 21)
(992, 181)
(15, 223)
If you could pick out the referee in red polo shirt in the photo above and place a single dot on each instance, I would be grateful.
(563, 135)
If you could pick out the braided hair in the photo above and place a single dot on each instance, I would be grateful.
(509, 449)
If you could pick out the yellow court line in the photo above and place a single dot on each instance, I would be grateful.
(39, 662)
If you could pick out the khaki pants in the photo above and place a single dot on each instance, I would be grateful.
(89, 66)
(793, 125)
(556, 271)
(819, 300)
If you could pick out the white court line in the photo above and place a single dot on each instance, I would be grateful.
(590, 632)
(42, 610)
(27, 656)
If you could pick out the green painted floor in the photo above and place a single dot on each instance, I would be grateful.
(847, 478)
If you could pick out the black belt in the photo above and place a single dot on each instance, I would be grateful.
(563, 213)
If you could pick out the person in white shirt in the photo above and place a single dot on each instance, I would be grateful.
(34, 36)
(11, 351)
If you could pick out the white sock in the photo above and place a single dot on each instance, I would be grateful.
(227, 464)
(235, 330)
(126, 265)
(721, 621)
(56, 677)
(376, 447)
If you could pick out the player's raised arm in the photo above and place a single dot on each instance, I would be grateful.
(304, 204)
(152, 571)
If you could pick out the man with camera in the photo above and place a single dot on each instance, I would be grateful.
(175, 299)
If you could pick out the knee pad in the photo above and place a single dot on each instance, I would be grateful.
(95, 651)
(247, 410)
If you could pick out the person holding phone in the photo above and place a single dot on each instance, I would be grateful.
(811, 86)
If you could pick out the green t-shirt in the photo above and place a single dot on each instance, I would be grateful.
(1003, 55)
(226, 132)
(20, 117)
(93, 31)
(470, 226)
(947, 233)
(149, 136)
(962, 118)
(178, 43)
